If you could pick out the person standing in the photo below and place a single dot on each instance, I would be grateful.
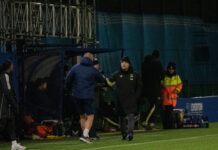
(128, 91)
(8, 109)
(152, 74)
(39, 104)
(171, 87)
(83, 78)
(99, 100)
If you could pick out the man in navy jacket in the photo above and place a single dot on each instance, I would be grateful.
(83, 78)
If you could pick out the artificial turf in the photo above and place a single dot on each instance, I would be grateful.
(175, 139)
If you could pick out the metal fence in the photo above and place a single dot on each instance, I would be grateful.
(34, 19)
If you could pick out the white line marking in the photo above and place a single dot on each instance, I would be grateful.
(68, 143)
(151, 142)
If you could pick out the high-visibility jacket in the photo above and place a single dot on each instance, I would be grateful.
(171, 86)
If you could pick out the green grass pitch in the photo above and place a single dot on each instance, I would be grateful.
(176, 139)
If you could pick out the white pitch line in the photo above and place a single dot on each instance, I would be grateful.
(151, 142)
(70, 143)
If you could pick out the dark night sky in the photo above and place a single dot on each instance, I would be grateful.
(206, 9)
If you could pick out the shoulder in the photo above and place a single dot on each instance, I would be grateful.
(3, 76)
(75, 67)
(177, 76)
(94, 70)
(135, 73)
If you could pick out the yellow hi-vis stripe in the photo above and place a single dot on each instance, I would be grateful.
(111, 121)
(171, 98)
(109, 82)
(149, 115)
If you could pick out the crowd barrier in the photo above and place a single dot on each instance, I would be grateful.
(207, 106)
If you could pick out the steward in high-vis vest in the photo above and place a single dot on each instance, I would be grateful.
(171, 86)
(128, 92)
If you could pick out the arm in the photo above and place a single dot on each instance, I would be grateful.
(69, 78)
(7, 89)
(112, 80)
(162, 73)
(138, 86)
(109, 83)
(99, 77)
(179, 85)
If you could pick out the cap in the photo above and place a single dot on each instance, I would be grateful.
(171, 65)
(126, 59)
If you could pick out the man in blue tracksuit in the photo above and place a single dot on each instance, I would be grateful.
(83, 78)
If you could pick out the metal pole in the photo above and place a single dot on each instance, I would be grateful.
(69, 20)
(78, 23)
(66, 25)
(76, 20)
(27, 19)
(46, 19)
(94, 24)
(53, 23)
(85, 24)
(13, 34)
(30, 19)
(84, 35)
(4, 25)
(1, 24)
(61, 24)
(40, 20)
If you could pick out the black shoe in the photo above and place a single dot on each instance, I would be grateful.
(85, 139)
(130, 138)
(124, 137)
(94, 138)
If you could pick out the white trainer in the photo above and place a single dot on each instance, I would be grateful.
(17, 146)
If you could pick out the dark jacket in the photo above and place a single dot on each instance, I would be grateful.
(128, 90)
(8, 106)
(152, 73)
(83, 78)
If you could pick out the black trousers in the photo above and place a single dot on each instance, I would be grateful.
(153, 113)
(167, 116)
(127, 124)
(9, 132)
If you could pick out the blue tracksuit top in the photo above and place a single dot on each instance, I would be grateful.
(83, 78)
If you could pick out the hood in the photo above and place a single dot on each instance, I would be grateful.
(86, 61)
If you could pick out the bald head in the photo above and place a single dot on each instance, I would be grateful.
(89, 55)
